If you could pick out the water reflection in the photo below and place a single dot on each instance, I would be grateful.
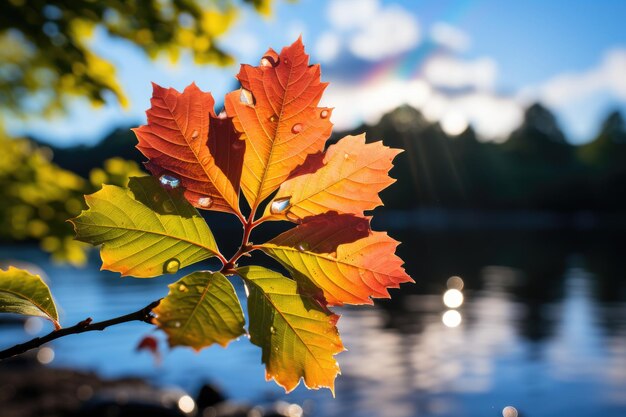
(542, 331)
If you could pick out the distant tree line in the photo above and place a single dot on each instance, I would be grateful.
(535, 169)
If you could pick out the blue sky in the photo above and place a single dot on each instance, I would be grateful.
(479, 62)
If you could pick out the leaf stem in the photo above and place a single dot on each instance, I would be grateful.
(144, 314)
(248, 225)
(221, 257)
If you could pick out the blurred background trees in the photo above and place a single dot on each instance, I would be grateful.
(47, 56)
(46, 59)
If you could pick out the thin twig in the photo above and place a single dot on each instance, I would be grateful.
(145, 315)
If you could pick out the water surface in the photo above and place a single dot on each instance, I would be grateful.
(543, 329)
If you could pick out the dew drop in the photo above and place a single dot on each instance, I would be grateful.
(297, 128)
(245, 287)
(286, 61)
(280, 205)
(272, 330)
(176, 324)
(194, 134)
(346, 155)
(169, 181)
(205, 202)
(183, 288)
(303, 246)
(509, 411)
(324, 114)
(268, 61)
(276, 349)
(171, 266)
(273, 118)
(246, 97)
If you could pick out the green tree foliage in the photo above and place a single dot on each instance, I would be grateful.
(46, 51)
(37, 196)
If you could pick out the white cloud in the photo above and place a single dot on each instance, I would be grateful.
(328, 46)
(450, 72)
(355, 104)
(607, 77)
(492, 117)
(450, 37)
(393, 30)
(352, 14)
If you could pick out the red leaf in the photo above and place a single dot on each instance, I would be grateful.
(184, 138)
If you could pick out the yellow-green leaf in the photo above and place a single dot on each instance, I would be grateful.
(298, 336)
(145, 230)
(200, 309)
(24, 293)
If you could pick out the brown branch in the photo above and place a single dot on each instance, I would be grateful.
(145, 315)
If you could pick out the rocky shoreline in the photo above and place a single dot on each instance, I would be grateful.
(30, 389)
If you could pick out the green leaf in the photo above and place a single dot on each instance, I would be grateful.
(200, 309)
(298, 336)
(24, 293)
(145, 230)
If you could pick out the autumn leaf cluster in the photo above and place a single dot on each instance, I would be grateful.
(269, 146)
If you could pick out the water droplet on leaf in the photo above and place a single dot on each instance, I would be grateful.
(303, 246)
(324, 114)
(272, 330)
(273, 118)
(194, 134)
(246, 97)
(268, 61)
(245, 287)
(171, 266)
(205, 202)
(169, 181)
(297, 128)
(280, 205)
(276, 349)
(346, 155)
(183, 288)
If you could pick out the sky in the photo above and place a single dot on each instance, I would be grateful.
(459, 62)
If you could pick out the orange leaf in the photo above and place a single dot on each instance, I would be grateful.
(276, 111)
(354, 272)
(184, 139)
(349, 180)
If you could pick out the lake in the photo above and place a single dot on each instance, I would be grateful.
(540, 326)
